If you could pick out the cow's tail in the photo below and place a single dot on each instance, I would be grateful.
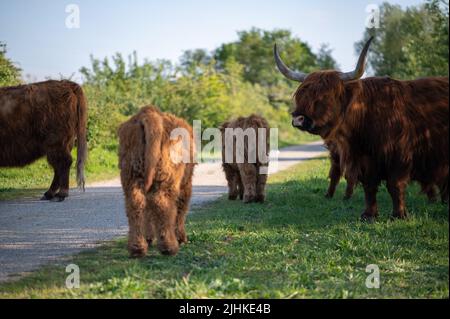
(81, 137)
(153, 132)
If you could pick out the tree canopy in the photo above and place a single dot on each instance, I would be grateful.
(411, 42)
(9, 72)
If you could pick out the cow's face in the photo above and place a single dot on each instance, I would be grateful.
(317, 103)
(319, 98)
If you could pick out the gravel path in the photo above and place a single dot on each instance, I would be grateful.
(35, 233)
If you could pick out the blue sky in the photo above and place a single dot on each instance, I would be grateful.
(39, 41)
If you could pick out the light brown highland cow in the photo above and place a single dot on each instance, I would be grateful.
(246, 179)
(157, 185)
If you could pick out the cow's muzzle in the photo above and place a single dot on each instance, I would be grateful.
(302, 122)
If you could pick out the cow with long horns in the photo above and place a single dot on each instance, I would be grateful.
(44, 119)
(384, 129)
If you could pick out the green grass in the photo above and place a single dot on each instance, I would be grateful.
(296, 245)
(34, 179)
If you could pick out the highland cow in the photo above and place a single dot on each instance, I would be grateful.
(384, 129)
(156, 183)
(44, 119)
(246, 178)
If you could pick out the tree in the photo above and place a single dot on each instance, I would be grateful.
(9, 73)
(410, 43)
(192, 60)
(325, 60)
(254, 50)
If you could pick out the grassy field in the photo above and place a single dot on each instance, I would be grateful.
(296, 245)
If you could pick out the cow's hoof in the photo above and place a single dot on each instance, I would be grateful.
(137, 252)
(169, 251)
(47, 197)
(347, 197)
(260, 198)
(182, 239)
(398, 216)
(58, 199)
(328, 195)
(232, 197)
(368, 218)
(249, 198)
(432, 200)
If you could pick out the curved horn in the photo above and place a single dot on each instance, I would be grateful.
(360, 67)
(291, 75)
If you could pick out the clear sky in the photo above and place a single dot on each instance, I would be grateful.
(38, 39)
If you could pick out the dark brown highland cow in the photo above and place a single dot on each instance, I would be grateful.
(44, 119)
(384, 129)
(157, 185)
(246, 180)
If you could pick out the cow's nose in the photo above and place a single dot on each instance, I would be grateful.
(298, 121)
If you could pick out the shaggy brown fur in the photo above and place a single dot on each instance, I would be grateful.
(384, 129)
(43, 119)
(244, 179)
(335, 174)
(157, 189)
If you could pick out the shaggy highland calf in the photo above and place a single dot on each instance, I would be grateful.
(157, 183)
(384, 129)
(246, 179)
(44, 119)
(335, 174)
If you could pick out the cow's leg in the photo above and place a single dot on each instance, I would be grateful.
(429, 190)
(183, 205)
(64, 163)
(444, 191)
(135, 205)
(148, 228)
(231, 176)
(396, 188)
(60, 161)
(248, 177)
(261, 180)
(50, 193)
(370, 192)
(240, 186)
(334, 175)
(163, 214)
(351, 183)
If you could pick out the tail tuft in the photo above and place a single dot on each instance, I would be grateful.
(81, 137)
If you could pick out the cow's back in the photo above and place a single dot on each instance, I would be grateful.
(133, 139)
(397, 124)
(35, 118)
